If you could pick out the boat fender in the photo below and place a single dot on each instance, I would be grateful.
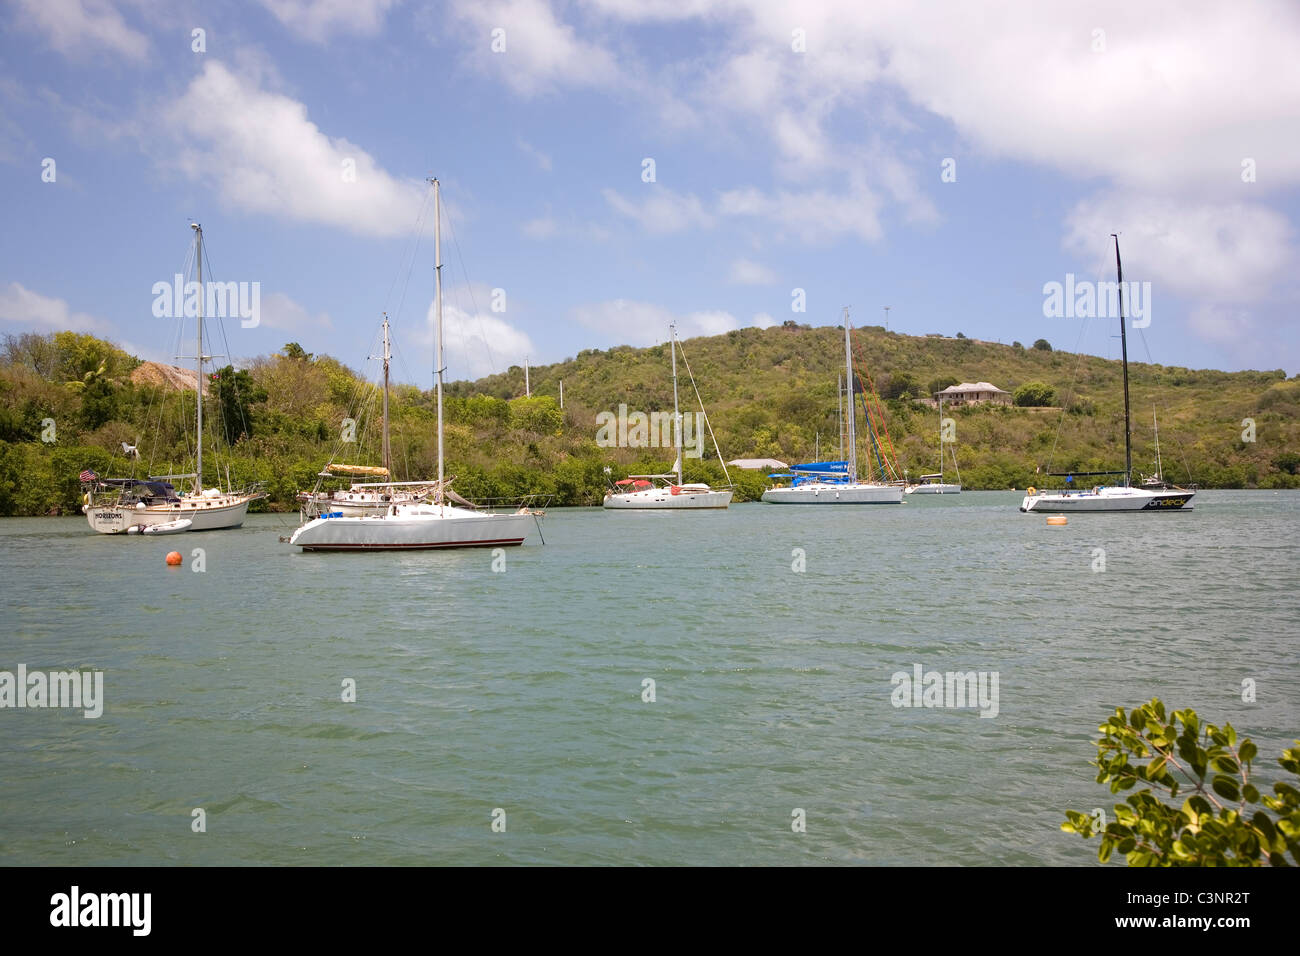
(675, 489)
(1030, 491)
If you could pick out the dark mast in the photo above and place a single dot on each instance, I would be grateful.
(1123, 347)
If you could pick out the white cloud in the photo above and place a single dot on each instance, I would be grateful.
(316, 20)
(281, 312)
(1181, 94)
(1230, 328)
(540, 53)
(763, 321)
(77, 26)
(708, 322)
(475, 343)
(745, 272)
(549, 227)
(1225, 252)
(22, 305)
(628, 322)
(542, 228)
(264, 154)
(662, 211)
(811, 216)
(541, 159)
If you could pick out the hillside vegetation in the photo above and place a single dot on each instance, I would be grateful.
(68, 401)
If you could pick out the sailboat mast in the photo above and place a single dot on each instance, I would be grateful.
(941, 439)
(677, 418)
(848, 393)
(388, 462)
(1123, 346)
(839, 411)
(198, 462)
(1160, 471)
(437, 271)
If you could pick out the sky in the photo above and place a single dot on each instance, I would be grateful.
(609, 167)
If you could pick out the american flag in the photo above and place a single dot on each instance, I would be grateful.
(88, 475)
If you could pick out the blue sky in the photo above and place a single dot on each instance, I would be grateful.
(795, 146)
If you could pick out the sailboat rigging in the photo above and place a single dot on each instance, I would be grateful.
(670, 491)
(934, 484)
(366, 497)
(421, 525)
(153, 505)
(836, 482)
(1121, 497)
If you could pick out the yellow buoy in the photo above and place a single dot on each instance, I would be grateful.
(174, 557)
(1057, 519)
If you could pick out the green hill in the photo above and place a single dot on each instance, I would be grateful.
(768, 392)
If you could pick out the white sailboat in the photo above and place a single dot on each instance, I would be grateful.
(934, 484)
(130, 505)
(420, 525)
(835, 482)
(365, 497)
(670, 491)
(1122, 497)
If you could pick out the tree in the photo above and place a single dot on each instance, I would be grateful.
(1043, 345)
(960, 335)
(99, 402)
(1288, 461)
(80, 353)
(33, 351)
(1034, 395)
(1215, 825)
(1017, 346)
(939, 384)
(901, 385)
(235, 393)
(292, 350)
(540, 414)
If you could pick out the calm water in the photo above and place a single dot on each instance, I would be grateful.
(522, 690)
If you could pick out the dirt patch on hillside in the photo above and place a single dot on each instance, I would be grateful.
(167, 376)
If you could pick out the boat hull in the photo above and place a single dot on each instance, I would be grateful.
(664, 499)
(832, 494)
(427, 529)
(171, 527)
(228, 511)
(938, 488)
(1109, 500)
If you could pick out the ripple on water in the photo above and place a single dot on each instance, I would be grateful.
(526, 691)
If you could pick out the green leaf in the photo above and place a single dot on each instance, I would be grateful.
(1225, 764)
(1226, 787)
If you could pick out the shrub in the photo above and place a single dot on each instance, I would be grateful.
(1218, 824)
(1034, 394)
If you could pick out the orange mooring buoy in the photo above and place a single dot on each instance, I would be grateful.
(174, 558)
(1057, 519)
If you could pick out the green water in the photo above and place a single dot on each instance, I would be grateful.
(522, 689)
